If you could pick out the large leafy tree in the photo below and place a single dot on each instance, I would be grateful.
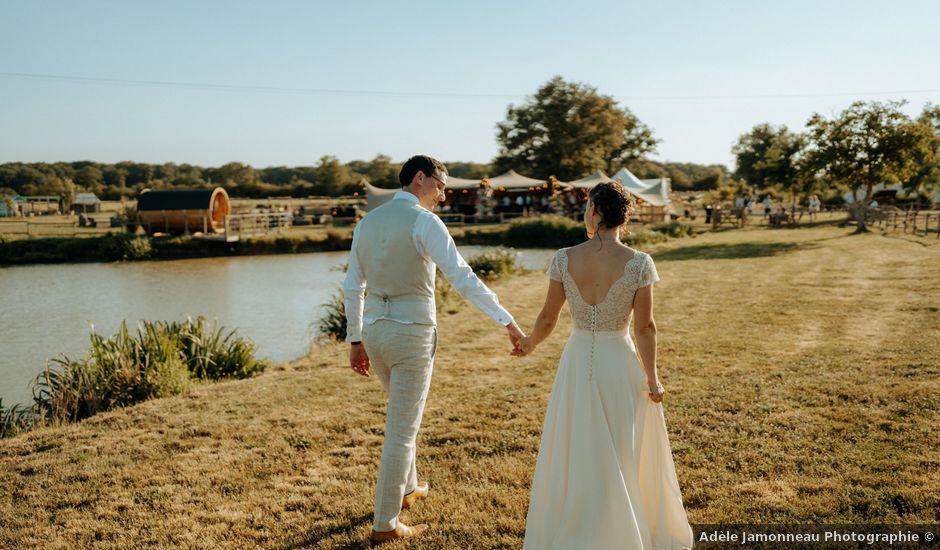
(383, 172)
(867, 144)
(333, 177)
(768, 156)
(926, 179)
(569, 130)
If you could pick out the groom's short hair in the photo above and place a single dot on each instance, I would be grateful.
(419, 163)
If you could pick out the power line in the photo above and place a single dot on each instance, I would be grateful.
(392, 93)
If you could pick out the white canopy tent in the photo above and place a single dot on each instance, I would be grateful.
(631, 182)
(654, 191)
(658, 193)
(376, 196)
(590, 181)
(462, 183)
(512, 181)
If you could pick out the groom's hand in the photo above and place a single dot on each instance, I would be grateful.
(515, 334)
(359, 359)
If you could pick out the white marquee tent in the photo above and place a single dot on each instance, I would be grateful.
(512, 181)
(589, 181)
(376, 196)
(462, 183)
(631, 182)
(654, 191)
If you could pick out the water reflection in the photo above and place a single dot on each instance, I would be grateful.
(274, 300)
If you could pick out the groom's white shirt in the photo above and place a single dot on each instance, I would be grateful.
(432, 241)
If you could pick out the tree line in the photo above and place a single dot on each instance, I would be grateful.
(329, 177)
(568, 130)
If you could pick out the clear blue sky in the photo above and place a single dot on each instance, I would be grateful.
(496, 52)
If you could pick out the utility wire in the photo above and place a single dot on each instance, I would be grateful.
(393, 93)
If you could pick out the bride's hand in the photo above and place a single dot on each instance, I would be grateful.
(524, 347)
(656, 391)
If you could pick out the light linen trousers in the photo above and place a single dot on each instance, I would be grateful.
(402, 357)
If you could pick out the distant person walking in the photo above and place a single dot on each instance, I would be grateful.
(813, 207)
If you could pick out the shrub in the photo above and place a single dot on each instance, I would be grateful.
(136, 248)
(494, 263)
(674, 229)
(211, 354)
(644, 237)
(544, 232)
(14, 420)
(162, 359)
(130, 218)
(332, 325)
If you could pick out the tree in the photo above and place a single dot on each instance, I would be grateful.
(768, 156)
(383, 172)
(89, 177)
(926, 179)
(233, 174)
(116, 179)
(470, 170)
(332, 176)
(569, 130)
(867, 144)
(138, 174)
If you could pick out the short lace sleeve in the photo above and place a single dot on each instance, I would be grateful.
(554, 268)
(648, 273)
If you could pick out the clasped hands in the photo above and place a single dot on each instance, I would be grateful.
(521, 344)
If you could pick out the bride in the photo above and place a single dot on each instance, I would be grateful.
(604, 477)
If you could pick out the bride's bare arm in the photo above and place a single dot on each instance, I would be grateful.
(644, 328)
(548, 317)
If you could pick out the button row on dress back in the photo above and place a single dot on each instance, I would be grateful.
(593, 334)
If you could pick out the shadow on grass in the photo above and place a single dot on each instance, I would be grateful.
(728, 251)
(353, 526)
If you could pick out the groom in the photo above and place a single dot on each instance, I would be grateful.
(395, 251)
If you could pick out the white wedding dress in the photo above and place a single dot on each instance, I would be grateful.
(604, 477)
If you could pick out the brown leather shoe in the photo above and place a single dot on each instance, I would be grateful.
(421, 491)
(401, 532)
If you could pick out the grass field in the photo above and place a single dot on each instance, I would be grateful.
(803, 376)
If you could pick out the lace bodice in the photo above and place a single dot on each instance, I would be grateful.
(614, 311)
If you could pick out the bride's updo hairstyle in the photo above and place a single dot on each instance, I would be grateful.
(613, 203)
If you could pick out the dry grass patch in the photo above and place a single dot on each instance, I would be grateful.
(804, 386)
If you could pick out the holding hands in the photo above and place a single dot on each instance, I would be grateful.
(524, 347)
(516, 336)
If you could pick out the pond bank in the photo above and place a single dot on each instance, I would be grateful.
(542, 232)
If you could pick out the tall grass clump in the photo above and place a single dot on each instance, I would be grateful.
(332, 324)
(494, 263)
(161, 359)
(14, 420)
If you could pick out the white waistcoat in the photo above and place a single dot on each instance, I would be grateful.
(399, 281)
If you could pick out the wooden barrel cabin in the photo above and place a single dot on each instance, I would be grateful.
(178, 211)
